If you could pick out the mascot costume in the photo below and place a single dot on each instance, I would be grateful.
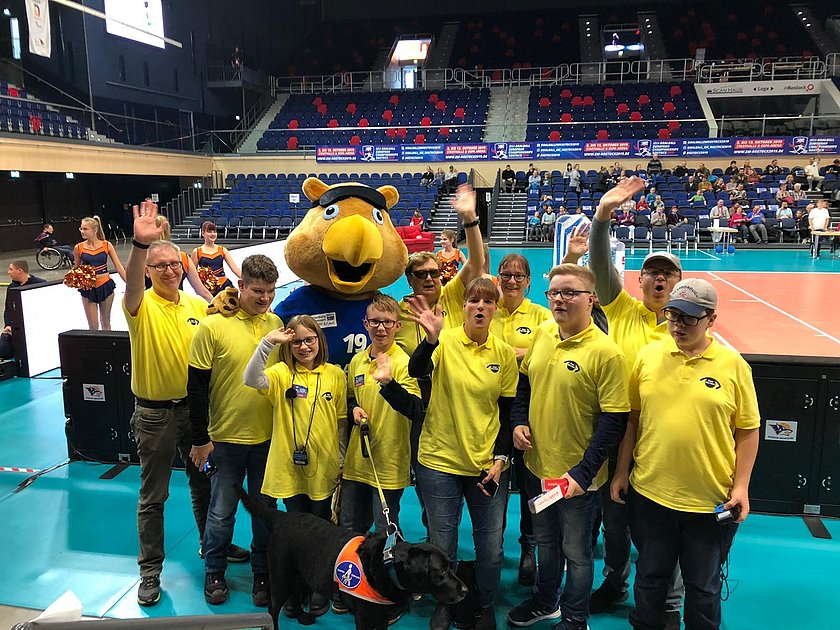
(345, 249)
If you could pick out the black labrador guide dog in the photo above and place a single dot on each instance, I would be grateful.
(302, 553)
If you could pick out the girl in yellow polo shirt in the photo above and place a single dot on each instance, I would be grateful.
(466, 439)
(516, 321)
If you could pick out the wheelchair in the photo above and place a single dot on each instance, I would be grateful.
(49, 258)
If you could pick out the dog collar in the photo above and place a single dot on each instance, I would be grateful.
(350, 576)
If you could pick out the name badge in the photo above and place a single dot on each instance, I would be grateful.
(359, 380)
(301, 390)
(326, 320)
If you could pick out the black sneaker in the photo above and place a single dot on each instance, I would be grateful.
(605, 598)
(318, 604)
(261, 593)
(235, 554)
(338, 606)
(148, 594)
(570, 624)
(215, 588)
(530, 612)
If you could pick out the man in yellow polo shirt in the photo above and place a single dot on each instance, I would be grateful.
(570, 410)
(693, 434)
(237, 420)
(633, 323)
(161, 325)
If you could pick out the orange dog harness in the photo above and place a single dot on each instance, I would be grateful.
(350, 576)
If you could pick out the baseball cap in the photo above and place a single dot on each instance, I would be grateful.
(693, 297)
(666, 256)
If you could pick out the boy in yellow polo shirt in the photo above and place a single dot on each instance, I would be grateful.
(694, 427)
(570, 410)
(383, 395)
(237, 420)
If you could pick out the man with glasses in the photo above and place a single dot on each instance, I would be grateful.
(161, 324)
(693, 436)
(573, 367)
(633, 323)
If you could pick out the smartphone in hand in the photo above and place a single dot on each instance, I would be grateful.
(491, 486)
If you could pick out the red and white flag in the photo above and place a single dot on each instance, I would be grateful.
(38, 15)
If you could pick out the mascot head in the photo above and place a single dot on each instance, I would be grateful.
(346, 244)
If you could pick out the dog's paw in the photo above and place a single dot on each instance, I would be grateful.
(306, 618)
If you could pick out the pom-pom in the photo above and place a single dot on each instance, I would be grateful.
(82, 277)
(208, 279)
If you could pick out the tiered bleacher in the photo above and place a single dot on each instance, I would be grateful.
(270, 205)
(378, 118)
(20, 112)
(652, 108)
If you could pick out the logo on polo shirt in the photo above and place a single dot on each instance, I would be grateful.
(193, 321)
(710, 382)
(328, 395)
(494, 367)
(523, 330)
(572, 366)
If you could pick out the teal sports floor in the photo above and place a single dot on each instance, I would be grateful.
(71, 530)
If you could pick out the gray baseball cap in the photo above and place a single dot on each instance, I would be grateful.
(693, 297)
(666, 256)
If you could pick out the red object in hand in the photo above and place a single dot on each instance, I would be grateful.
(549, 484)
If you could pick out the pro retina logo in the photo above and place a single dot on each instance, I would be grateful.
(494, 367)
(328, 395)
(710, 382)
(193, 321)
(572, 366)
(523, 330)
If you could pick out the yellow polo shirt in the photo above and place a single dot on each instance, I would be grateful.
(519, 328)
(321, 404)
(451, 302)
(389, 430)
(238, 414)
(690, 408)
(462, 420)
(632, 326)
(160, 335)
(572, 381)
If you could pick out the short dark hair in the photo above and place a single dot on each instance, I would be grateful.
(260, 268)
(21, 264)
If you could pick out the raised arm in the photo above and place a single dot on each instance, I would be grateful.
(147, 230)
(464, 203)
(255, 370)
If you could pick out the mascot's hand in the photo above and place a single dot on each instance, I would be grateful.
(226, 302)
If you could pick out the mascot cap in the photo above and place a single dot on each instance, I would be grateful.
(347, 191)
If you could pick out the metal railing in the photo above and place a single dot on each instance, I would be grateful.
(258, 621)
(191, 199)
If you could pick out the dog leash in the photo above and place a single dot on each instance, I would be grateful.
(393, 534)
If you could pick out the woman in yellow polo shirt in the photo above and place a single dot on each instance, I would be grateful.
(466, 439)
(309, 397)
(516, 321)
(693, 434)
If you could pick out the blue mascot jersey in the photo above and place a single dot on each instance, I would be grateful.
(341, 320)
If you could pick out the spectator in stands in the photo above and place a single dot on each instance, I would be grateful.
(802, 224)
(546, 202)
(561, 211)
(681, 169)
(439, 176)
(19, 274)
(658, 203)
(627, 217)
(722, 213)
(812, 173)
(548, 219)
(732, 169)
(740, 178)
(642, 204)
(450, 180)
(773, 168)
(654, 166)
(757, 221)
(418, 220)
(95, 251)
(798, 194)
(546, 178)
(702, 170)
(535, 227)
(651, 195)
(508, 179)
(833, 168)
(704, 185)
(783, 194)
(237, 59)
(819, 218)
(567, 174)
(574, 178)
(428, 177)
(601, 180)
(46, 239)
(659, 218)
(738, 220)
(784, 211)
(682, 415)
(718, 184)
(534, 181)
(697, 197)
(692, 184)
(675, 218)
(738, 194)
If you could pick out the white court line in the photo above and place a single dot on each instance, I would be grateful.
(775, 308)
(707, 254)
(720, 338)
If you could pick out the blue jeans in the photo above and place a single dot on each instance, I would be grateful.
(564, 536)
(357, 500)
(234, 461)
(663, 537)
(444, 495)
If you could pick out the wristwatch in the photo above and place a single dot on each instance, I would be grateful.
(501, 458)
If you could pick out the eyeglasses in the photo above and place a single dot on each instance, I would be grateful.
(507, 277)
(422, 274)
(688, 320)
(308, 341)
(161, 267)
(387, 324)
(566, 294)
(653, 273)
